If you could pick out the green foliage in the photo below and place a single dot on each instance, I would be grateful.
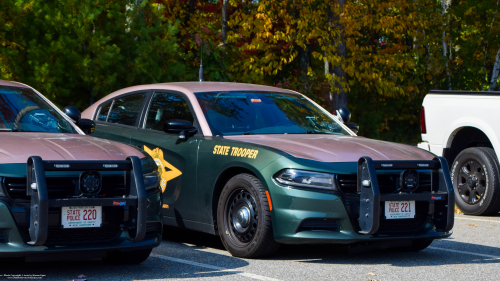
(395, 50)
(74, 51)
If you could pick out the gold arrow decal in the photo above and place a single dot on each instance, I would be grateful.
(157, 155)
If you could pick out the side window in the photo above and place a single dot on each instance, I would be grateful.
(166, 106)
(103, 113)
(126, 109)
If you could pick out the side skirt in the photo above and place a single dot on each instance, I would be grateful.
(192, 225)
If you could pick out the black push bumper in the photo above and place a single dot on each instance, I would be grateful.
(441, 194)
(134, 198)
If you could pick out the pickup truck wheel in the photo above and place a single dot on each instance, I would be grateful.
(128, 257)
(244, 218)
(475, 174)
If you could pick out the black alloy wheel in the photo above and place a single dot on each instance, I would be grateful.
(471, 182)
(244, 218)
(475, 174)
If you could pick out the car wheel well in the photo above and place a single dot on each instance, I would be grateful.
(464, 138)
(223, 178)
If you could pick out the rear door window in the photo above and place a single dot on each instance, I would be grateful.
(167, 106)
(126, 109)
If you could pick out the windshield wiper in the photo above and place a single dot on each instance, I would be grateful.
(11, 130)
(249, 133)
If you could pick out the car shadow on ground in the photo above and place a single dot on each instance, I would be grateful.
(441, 252)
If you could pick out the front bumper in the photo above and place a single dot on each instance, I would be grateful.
(130, 222)
(295, 208)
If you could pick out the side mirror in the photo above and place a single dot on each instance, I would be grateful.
(353, 126)
(344, 114)
(180, 127)
(87, 126)
(73, 113)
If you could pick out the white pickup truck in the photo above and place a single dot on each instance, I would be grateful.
(464, 128)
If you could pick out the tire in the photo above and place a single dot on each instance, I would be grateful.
(417, 245)
(475, 175)
(128, 257)
(244, 218)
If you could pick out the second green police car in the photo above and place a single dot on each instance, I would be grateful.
(261, 166)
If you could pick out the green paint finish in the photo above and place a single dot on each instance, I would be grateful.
(206, 163)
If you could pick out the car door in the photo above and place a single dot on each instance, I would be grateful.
(117, 119)
(175, 157)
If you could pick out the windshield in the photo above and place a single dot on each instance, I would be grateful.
(22, 110)
(246, 113)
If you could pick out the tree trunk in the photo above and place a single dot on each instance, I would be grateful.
(303, 53)
(191, 6)
(486, 46)
(494, 74)
(339, 98)
(224, 22)
(224, 38)
(445, 4)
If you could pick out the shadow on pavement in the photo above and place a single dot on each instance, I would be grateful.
(338, 254)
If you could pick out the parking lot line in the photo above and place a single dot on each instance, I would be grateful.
(471, 219)
(464, 252)
(239, 272)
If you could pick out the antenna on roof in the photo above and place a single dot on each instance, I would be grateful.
(201, 75)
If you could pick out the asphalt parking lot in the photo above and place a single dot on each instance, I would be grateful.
(472, 253)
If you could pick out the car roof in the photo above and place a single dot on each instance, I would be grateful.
(13, 84)
(188, 88)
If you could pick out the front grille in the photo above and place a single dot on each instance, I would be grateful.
(387, 183)
(319, 225)
(58, 235)
(112, 218)
(63, 187)
(3, 236)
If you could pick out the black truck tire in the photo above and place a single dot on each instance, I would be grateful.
(244, 218)
(475, 174)
(128, 257)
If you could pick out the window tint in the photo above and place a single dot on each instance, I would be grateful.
(166, 106)
(103, 113)
(126, 109)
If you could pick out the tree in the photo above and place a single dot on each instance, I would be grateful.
(75, 51)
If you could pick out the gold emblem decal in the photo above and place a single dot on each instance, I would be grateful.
(157, 155)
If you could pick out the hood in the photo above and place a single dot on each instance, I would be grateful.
(336, 148)
(17, 147)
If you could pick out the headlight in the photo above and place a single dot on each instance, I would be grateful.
(292, 177)
(151, 180)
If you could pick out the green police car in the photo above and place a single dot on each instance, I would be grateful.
(262, 166)
(66, 195)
